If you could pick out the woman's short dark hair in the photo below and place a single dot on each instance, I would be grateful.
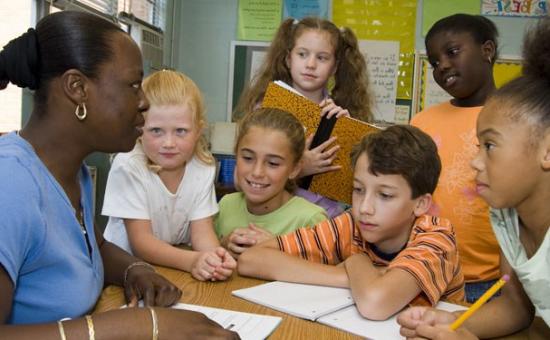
(62, 41)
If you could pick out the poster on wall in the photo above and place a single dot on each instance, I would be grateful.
(383, 20)
(258, 19)
(382, 58)
(299, 9)
(402, 114)
(433, 10)
(515, 8)
(257, 60)
(432, 93)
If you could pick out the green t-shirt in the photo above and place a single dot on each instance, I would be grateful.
(294, 214)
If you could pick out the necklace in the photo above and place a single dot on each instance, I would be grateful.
(80, 219)
(79, 215)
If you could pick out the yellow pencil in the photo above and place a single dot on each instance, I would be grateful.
(486, 296)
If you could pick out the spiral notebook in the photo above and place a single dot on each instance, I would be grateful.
(349, 320)
(304, 301)
(336, 185)
(330, 306)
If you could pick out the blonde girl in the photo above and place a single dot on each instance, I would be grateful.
(269, 148)
(336, 47)
(161, 194)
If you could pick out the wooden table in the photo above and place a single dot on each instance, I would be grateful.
(218, 294)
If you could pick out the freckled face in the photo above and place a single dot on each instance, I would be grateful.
(312, 61)
(169, 136)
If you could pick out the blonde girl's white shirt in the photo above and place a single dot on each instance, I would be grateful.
(534, 272)
(135, 192)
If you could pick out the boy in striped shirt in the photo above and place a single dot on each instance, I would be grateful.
(387, 250)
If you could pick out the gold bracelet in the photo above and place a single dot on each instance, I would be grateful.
(155, 323)
(61, 330)
(91, 332)
(135, 264)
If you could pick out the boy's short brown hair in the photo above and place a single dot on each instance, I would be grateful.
(402, 150)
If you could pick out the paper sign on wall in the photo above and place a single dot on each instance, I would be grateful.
(257, 61)
(433, 93)
(258, 19)
(516, 8)
(402, 114)
(382, 59)
(299, 9)
(387, 20)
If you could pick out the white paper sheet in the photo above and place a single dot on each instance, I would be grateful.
(249, 326)
(350, 320)
(300, 300)
(382, 58)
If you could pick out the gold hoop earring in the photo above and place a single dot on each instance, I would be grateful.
(81, 111)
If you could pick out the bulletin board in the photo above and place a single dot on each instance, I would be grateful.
(428, 93)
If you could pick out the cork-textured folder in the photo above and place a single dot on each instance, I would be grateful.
(307, 112)
(336, 185)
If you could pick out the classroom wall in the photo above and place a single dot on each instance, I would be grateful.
(205, 29)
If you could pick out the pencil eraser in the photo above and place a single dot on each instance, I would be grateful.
(506, 277)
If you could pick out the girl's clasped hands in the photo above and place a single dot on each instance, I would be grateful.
(213, 265)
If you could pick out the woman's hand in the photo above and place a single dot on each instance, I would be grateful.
(329, 108)
(412, 318)
(182, 324)
(320, 158)
(143, 283)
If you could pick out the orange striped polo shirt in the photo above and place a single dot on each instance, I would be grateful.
(430, 256)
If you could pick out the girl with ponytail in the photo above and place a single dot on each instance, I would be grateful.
(323, 63)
